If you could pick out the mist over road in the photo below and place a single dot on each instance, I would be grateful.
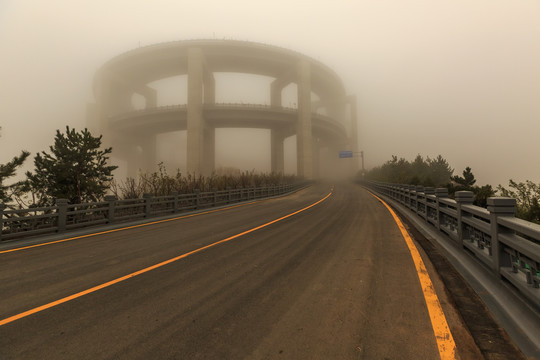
(335, 281)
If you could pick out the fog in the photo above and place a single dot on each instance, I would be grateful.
(459, 78)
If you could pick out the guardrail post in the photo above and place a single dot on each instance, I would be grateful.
(147, 204)
(428, 191)
(175, 201)
(228, 194)
(418, 189)
(215, 197)
(111, 200)
(497, 207)
(462, 198)
(197, 193)
(440, 193)
(2, 207)
(62, 214)
(408, 196)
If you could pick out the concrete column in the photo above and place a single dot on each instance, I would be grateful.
(499, 207)
(150, 96)
(316, 148)
(195, 120)
(275, 93)
(277, 152)
(209, 151)
(462, 198)
(303, 132)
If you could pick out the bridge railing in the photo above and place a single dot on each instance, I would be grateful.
(509, 247)
(62, 217)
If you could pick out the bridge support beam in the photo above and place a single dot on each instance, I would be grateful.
(195, 119)
(139, 152)
(209, 150)
(303, 129)
(150, 96)
(316, 148)
(277, 152)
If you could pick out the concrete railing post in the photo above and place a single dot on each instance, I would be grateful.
(418, 190)
(462, 198)
(147, 204)
(440, 193)
(411, 196)
(175, 201)
(499, 207)
(427, 192)
(197, 193)
(111, 204)
(62, 214)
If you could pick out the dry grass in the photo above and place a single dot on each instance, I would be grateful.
(160, 183)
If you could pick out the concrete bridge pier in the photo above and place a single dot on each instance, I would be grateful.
(277, 153)
(139, 151)
(316, 150)
(195, 119)
(209, 153)
(200, 137)
(130, 73)
(304, 144)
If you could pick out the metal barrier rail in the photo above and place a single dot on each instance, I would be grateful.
(508, 246)
(15, 224)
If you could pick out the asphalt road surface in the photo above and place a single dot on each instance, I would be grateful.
(335, 281)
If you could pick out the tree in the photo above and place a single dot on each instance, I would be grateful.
(527, 197)
(76, 169)
(467, 181)
(429, 172)
(440, 171)
(8, 170)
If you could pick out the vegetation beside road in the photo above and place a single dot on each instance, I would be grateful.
(438, 173)
(77, 168)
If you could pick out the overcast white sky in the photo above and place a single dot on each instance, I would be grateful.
(460, 78)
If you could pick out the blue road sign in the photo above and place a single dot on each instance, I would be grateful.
(345, 154)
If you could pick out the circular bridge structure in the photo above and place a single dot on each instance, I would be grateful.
(325, 116)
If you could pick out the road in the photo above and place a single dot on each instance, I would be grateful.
(334, 281)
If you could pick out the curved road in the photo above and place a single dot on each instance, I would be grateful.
(335, 281)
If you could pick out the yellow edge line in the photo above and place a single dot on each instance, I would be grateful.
(120, 279)
(445, 341)
(128, 227)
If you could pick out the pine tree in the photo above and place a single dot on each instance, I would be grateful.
(76, 169)
(467, 181)
(8, 170)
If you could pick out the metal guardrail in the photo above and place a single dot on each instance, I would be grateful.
(508, 246)
(62, 217)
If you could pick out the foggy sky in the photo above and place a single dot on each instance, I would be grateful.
(460, 78)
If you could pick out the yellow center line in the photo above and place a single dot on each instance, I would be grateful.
(445, 341)
(128, 227)
(145, 270)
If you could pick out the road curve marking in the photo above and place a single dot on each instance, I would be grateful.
(145, 270)
(443, 335)
(128, 227)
